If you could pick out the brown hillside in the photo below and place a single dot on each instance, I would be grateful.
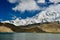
(38, 28)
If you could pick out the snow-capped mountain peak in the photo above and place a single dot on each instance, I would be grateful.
(50, 14)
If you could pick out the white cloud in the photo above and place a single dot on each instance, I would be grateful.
(40, 1)
(55, 1)
(24, 5)
(12, 1)
(14, 17)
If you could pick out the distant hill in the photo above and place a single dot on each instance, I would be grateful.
(38, 28)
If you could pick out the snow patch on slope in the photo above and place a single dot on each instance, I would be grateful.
(40, 1)
(51, 14)
(55, 1)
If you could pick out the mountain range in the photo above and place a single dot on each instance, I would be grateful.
(49, 14)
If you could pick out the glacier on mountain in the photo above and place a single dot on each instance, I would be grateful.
(50, 14)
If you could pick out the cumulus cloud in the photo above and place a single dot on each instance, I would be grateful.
(55, 1)
(14, 17)
(40, 1)
(24, 5)
(12, 1)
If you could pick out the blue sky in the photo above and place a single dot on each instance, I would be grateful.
(6, 12)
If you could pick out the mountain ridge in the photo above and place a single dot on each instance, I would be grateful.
(50, 14)
(34, 28)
